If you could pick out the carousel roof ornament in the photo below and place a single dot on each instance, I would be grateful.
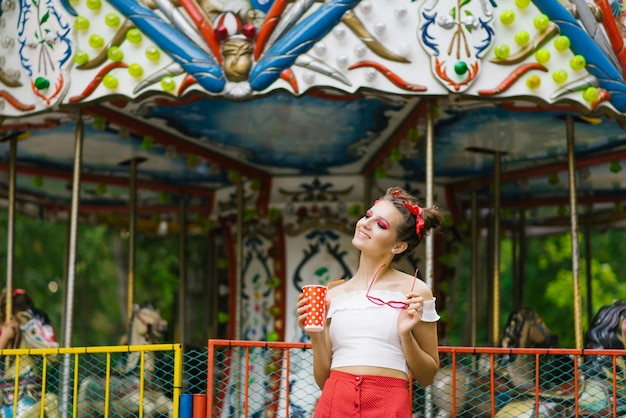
(83, 51)
(202, 88)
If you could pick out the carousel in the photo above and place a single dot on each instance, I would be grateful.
(270, 126)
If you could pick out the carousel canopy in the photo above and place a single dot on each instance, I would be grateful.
(197, 94)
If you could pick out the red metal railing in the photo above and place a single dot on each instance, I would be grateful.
(233, 366)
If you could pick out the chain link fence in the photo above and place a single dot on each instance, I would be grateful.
(259, 379)
(255, 379)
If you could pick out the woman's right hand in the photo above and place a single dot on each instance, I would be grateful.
(302, 308)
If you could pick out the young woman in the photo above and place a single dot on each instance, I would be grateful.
(381, 323)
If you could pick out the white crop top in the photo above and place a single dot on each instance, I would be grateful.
(365, 334)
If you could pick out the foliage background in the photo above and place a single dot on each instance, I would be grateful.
(99, 316)
(547, 285)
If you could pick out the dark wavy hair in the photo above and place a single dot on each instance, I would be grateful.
(433, 218)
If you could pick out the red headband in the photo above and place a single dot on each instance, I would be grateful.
(415, 210)
(419, 221)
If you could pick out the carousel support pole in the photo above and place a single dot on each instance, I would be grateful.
(237, 355)
(239, 280)
(68, 232)
(12, 140)
(71, 266)
(495, 307)
(474, 270)
(515, 265)
(588, 259)
(132, 227)
(430, 133)
(489, 272)
(132, 234)
(495, 330)
(571, 174)
(518, 295)
(11, 224)
(182, 269)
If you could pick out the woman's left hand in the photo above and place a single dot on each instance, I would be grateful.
(412, 314)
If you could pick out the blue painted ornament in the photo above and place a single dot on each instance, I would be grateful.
(262, 5)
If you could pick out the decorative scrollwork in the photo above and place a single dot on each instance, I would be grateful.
(316, 192)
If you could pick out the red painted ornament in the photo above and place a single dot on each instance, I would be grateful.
(228, 24)
(221, 32)
(249, 31)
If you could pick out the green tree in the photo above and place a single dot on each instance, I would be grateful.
(548, 283)
(100, 274)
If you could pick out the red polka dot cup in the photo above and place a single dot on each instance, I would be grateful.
(316, 295)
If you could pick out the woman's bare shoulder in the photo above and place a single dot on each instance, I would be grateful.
(418, 286)
(345, 287)
(423, 289)
(337, 289)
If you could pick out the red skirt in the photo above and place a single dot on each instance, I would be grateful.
(349, 395)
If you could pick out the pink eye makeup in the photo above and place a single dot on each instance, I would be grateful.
(382, 223)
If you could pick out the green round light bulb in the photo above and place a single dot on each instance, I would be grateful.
(41, 83)
(109, 81)
(81, 23)
(112, 20)
(168, 83)
(591, 94)
(578, 62)
(541, 22)
(94, 4)
(135, 70)
(134, 36)
(115, 54)
(96, 41)
(153, 53)
(559, 76)
(502, 51)
(460, 68)
(562, 43)
(507, 17)
(542, 56)
(533, 82)
(522, 38)
(81, 57)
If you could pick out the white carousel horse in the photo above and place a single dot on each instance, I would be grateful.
(146, 327)
(595, 385)
(513, 374)
(32, 333)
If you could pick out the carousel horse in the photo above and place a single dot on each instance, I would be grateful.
(595, 384)
(146, 327)
(32, 333)
(514, 373)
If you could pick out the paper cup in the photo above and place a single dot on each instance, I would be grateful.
(316, 295)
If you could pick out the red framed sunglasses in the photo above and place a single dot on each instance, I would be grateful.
(391, 303)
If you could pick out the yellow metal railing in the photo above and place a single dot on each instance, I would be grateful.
(105, 374)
